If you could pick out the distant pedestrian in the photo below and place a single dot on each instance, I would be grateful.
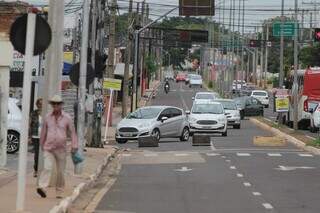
(35, 129)
(53, 141)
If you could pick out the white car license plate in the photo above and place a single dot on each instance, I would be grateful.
(127, 134)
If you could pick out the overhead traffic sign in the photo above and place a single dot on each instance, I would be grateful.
(287, 29)
(111, 83)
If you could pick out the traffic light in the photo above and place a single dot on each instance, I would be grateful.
(255, 43)
(100, 64)
(317, 34)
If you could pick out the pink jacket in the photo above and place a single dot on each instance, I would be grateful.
(54, 132)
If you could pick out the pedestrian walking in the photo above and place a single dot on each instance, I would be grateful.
(53, 142)
(35, 129)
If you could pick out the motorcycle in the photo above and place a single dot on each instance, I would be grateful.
(166, 88)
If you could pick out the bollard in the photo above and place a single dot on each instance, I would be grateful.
(148, 142)
(201, 140)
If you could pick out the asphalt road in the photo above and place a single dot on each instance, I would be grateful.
(232, 175)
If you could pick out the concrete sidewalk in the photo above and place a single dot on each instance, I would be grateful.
(36, 204)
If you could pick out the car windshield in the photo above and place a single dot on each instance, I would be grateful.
(228, 105)
(207, 109)
(259, 93)
(145, 113)
(204, 96)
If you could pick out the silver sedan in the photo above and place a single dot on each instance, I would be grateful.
(156, 121)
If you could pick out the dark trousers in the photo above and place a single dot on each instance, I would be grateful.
(35, 142)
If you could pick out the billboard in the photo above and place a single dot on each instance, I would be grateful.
(196, 7)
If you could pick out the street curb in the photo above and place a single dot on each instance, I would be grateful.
(64, 204)
(298, 143)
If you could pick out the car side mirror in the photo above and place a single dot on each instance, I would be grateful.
(310, 110)
(163, 119)
(188, 112)
(193, 98)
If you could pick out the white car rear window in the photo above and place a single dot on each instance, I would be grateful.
(260, 93)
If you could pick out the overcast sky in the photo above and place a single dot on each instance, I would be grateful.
(254, 16)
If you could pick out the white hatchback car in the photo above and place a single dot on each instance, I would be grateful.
(207, 117)
(195, 80)
(262, 96)
(205, 96)
(232, 112)
(14, 126)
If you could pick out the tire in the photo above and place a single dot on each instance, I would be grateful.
(225, 134)
(313, 129)
(261, 113)
(156, 133)
(13, 142)
(201, 86)
(185, 134)
(121, 141)
(266, 106)
(241, 115)
(237, 126)
(190, 86)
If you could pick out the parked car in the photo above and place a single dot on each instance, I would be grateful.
(180, 77)
(207, 117)
(262, 96)
(249, 106)
(156, 121)
(236, 85)
(205, 96)
(231, 111)
(314, 110)
(169, 75)
(187, 80)
(14, 126)
(195, 80)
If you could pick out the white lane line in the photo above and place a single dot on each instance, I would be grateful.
(212, 146)
(151, 155)
(247, 184)
(126, 155)
(243, 154)
(181, 154)
(239, 175)
(233, 167)
(305, 155)
(312, 138)
(267, 206)
(223, 156)
(212, 154)
(274, 155)
(228, 161)
(256, 193)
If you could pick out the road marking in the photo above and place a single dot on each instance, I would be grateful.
(267, 206)
(184, 169)
(239, 175)
(247, 184)
(212, 146)
(268, 119)
(291, 168)
(181, 154)
(151, 155)
(305, 155)
(312, 138)
(223, 156)
(233, 167)
(228, 161)
(212, 154)
(243, 154)
(274, 155)
(256, 193)
(126, 155)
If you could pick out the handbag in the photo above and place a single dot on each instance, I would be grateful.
(77, 157)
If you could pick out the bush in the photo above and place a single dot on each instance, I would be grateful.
(210, 84)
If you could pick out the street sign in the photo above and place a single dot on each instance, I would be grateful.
(287, 31)
(282, 100)
(111, 83)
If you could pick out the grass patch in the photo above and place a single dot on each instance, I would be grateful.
(315, 143)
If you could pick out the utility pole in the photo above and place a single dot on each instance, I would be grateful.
(136, 61)
(295, 81)
(224, 62)
(261, 57)
(229, 50)
(82, 80)
(112, 39)
(238, 47)
(142, 47)
(266, 59)
(125, 94)
(281, 71)
(233, 42)
(243, 42)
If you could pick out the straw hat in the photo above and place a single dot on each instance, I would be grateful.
(56, 99)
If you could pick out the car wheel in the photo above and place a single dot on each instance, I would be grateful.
(224, 134)
(13, 142)
(190, 86)
(241, 115)
(156, 133)
(200, 86)
(185, 134)
(261, 113)
(121, 141)
(266, 106)
(237, 126)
